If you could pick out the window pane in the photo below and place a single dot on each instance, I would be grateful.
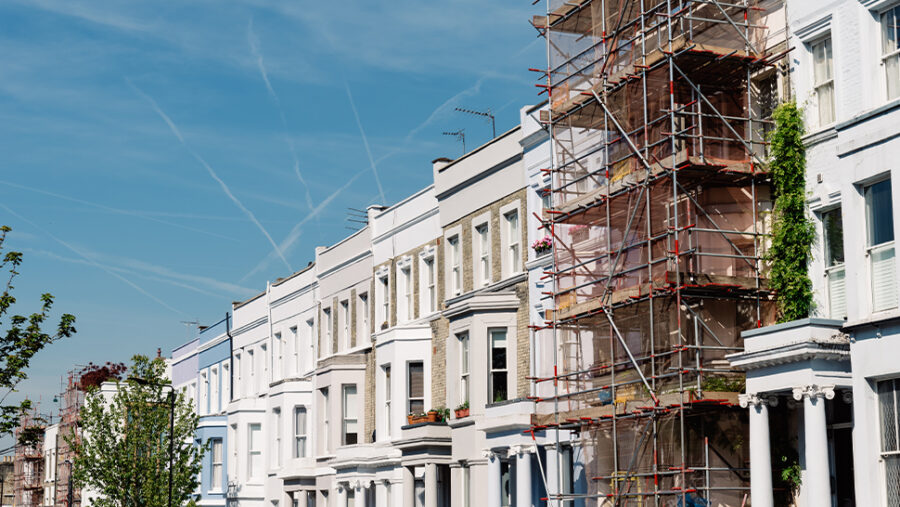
(880, 213)
(892, 75)
(890, 31)
(834, 237)
(822, 61)
(416, 380)
(887, 402)
(884, 286)
(498, 349)
(837, 293)
(826, 103)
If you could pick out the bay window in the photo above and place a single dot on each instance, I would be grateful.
(416, 388)
(497, 377)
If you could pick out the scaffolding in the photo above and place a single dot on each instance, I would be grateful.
(659, 215)
(28, 462)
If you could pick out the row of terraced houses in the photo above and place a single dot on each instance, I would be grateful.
(306, 391)
(309, 393)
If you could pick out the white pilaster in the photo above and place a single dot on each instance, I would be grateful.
(818, 475)
(431, 493)
(523, 475)
(409, 487)
(760, 450)
(341, 495)
(493, 477)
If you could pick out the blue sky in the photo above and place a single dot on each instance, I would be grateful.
(162, 159)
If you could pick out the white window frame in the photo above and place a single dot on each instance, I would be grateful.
(834, 273)
(888, 455)
(873, 251)
(310, 340)
(819, 84)
(383, 295)
(481, 258)
(511, 239)
(388, 394)
(300, 433)
(345, 328)
(409, 397)
(363, 332)
(347, 411)
(204, 392)
(276, 441)
(405, 286)
(327, 324)
(326, 413)
(239, 375)
(427, 282)
(465, 366)
(226, 384)
(263, 358)
(295, 342)
(277, 356)
(453, 253)
(214, 389)
(491, 369)
(216, 485)
(254, 472)
(892, 57)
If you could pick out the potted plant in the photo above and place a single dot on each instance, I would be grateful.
(462, 410)
(543, 245)
(416, 418)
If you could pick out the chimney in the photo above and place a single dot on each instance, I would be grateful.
(440, 163)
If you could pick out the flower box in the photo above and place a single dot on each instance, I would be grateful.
(416, 419)
(462, 412)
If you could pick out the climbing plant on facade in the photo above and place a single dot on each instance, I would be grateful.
(792, 232)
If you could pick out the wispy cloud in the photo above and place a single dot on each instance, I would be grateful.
(118, 211)
(94, 262)
(209, 169)
(297, 230)
(365, 142)
(253, 41)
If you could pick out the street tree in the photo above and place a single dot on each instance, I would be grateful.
(24, 338)
(133, 436)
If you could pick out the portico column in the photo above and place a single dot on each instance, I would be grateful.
(815, 442)
(760, 449)
(342, 495)
(523, 475)
(493, 478)
(552, 471)
(431, 494)
(409, 487)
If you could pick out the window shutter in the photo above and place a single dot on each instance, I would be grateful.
(884, 287)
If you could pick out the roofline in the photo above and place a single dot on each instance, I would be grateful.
(480, 148)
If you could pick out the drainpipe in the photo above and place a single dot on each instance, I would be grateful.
(231, 352)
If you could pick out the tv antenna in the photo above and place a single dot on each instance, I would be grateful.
(460, 135)
(356, 216)
(488, 114)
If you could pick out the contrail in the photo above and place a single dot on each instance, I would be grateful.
(209, 169)
(253, 41)
(94, 263)
(365, 142)
(138, 214)
(294, 235)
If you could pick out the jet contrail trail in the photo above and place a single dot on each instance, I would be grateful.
(253, 41)
(365, 142)
(95, 263)
(294, 235)
(209, 169)
(119, 211)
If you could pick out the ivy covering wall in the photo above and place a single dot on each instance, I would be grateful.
(793, 232)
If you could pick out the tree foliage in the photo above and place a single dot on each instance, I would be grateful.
(793, 233)
(123, 451)
(18, 344)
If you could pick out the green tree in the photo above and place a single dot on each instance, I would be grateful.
(792, 232)
(18, 344)
(123, 450)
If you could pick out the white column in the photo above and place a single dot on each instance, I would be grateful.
(552, 470)
(815, 442)
(431, 493)
(523, 475)
(760, 450)
(341, 499)
(493, 478)
(409, 487)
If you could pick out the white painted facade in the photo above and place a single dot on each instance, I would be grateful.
(844, 72)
